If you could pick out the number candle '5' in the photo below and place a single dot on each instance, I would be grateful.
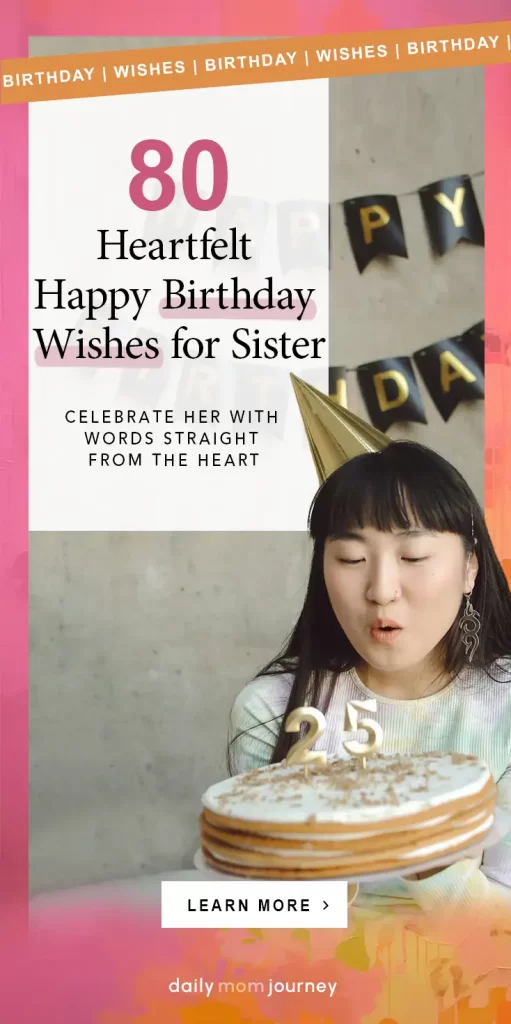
(352, 723)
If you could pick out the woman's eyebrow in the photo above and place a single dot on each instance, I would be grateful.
(348, 535)
(415, 532)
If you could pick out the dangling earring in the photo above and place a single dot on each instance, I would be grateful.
(470, 625)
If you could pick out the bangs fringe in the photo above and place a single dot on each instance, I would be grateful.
(386, 493)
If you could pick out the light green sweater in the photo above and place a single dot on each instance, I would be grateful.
(472, 715)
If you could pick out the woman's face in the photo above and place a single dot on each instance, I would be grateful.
(397, 594)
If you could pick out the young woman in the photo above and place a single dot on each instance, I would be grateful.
(406, 603)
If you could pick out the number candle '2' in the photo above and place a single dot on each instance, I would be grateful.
(300, 752)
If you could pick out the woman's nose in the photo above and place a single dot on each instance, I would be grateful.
(383, 585)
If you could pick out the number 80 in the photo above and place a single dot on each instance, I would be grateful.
(189, 175)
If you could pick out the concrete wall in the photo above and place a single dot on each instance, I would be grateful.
(140, 642)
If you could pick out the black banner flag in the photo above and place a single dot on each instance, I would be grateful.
(375, 228)
(450, 373)
(248, 216)
(391, 393)
(302, 229)
(473, 341)
(451, 212)
(268, 391)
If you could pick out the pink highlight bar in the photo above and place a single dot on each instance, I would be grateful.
(71, 358)
(215, 312)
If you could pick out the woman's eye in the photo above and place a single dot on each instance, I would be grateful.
(423, 559)
(350, 561)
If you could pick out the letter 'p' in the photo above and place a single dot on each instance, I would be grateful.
(372, 218)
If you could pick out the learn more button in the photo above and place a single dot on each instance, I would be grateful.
(254, 904)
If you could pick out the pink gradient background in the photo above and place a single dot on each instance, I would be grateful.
(140, 956)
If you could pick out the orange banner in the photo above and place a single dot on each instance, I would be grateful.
(247, 63)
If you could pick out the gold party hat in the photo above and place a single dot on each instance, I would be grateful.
(334, 434)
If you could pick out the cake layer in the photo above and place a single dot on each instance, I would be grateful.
(342, 860)
(278, 868)
(343, 820)
(287, 844)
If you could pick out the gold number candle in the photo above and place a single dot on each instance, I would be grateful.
(352, 723)
(300, 752)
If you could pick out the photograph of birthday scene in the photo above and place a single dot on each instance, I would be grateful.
(330, 703)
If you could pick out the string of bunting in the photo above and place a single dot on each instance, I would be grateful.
(450, 210)
(452, 371)
(374, 223)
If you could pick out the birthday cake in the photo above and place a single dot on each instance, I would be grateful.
(341, 819)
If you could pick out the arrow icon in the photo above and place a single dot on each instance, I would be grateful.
(325, 904)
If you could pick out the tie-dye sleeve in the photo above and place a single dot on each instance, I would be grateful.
(469, 885)
(254, 723)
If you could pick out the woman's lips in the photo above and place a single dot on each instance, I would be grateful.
(385, 631)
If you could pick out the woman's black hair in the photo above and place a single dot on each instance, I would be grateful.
(404, 485)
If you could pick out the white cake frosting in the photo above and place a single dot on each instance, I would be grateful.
(392, 786)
